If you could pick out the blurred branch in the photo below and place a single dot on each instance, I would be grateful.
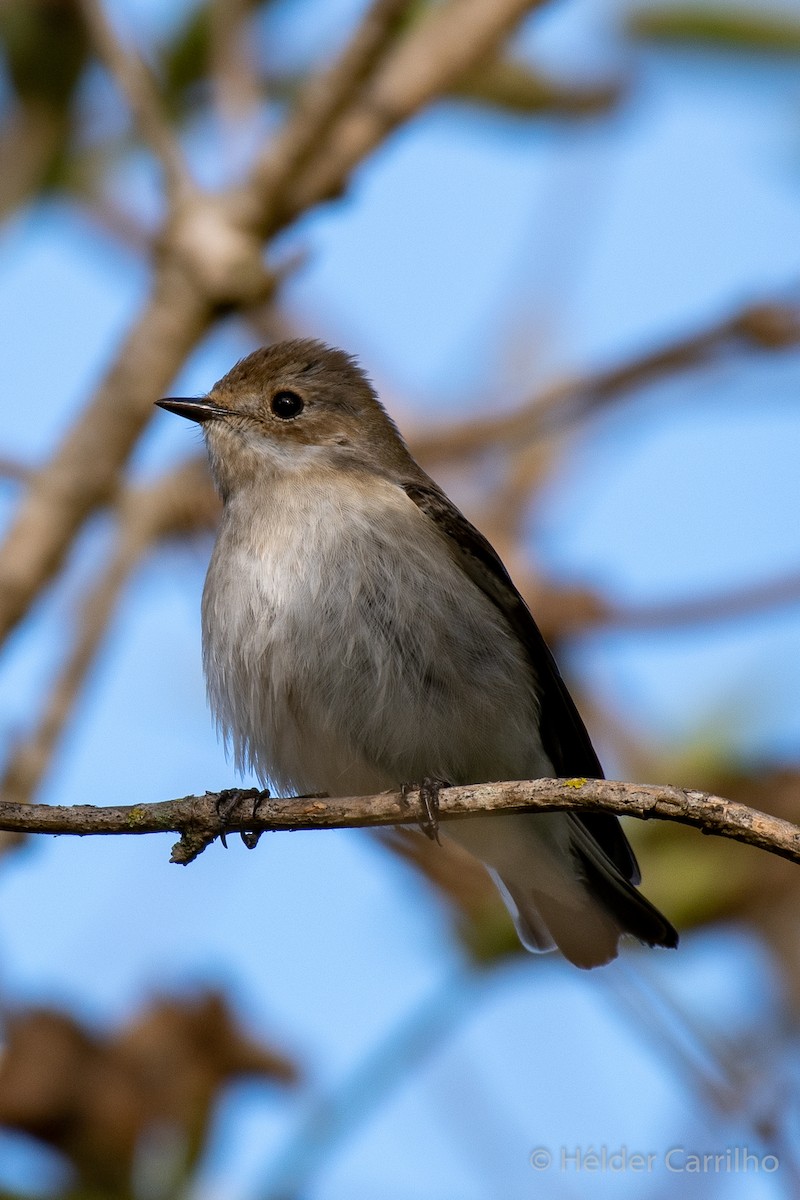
(566, 612)
(320, 103)
(199, 821)
(103, 214)
(515, 87)
(728, 605)
(134, 80)
(330, 1119)
(13, 470)
(768, 326)
(82, 473)
(232, 65)
(132, 1104)
(180, 503)
(727, 28)
(426, 63)
(45, 50)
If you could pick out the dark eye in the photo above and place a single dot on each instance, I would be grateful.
(287, 405)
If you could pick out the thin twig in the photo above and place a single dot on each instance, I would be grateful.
(12, 470)
(180, 503)
(573, 611)
(83, 473)
(770, 326)
(198, 820)
(234, 73)
(321, 102)
(133, 77)
(332, 1117)
(427, 62)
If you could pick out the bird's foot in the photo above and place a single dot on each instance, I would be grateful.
(429, 799)
(227, 803)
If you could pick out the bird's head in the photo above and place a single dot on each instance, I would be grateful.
(287, 407)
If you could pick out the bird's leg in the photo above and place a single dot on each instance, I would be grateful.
(429, 799)
(249, 836)
(226, 805)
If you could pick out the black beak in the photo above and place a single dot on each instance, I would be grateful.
(196, 410)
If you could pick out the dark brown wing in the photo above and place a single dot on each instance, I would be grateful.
(563, 733)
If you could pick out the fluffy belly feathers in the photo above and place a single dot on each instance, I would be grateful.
(337, 660)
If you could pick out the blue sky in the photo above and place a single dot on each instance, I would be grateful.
(469, 243)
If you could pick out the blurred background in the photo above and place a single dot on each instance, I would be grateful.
(567, 250)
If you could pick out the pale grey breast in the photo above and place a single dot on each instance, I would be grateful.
(345, 650)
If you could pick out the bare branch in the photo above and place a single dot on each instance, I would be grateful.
(572, 611)
(432, 57)
(234, 73)
(181, 502)
(137, 85)
(83, 472)
(515, 87)
(198, 820)
(772, 326)
(321, 102)
(728, 605)
(13, 471)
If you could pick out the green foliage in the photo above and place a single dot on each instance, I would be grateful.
(740, 29)
(186, 61)
(515, 87)
(697, 879)
(488, 935)
(46, 48)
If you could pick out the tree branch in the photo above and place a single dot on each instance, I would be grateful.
(197, 818)
(574, 611)
(233, 69)
(426, 63)
(133, 77)
(14, 471)
(84, 470)
(321, 102)
(182, 502)
(768, 327)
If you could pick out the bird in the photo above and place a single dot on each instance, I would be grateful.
(360, 634)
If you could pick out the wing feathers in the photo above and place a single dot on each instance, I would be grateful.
(563, 733)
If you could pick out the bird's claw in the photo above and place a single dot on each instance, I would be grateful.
(250, 837)
(228, 802)
(429, 799)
